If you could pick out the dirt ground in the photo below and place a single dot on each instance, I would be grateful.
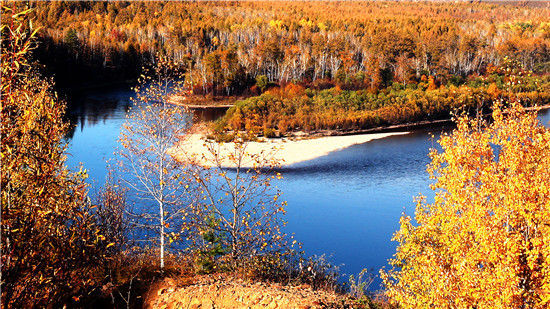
(221, 292)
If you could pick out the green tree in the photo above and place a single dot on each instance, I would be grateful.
(262, 82)
(71, 39)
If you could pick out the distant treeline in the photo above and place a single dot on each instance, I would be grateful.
(227, 46)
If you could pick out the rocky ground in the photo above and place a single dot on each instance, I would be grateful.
(222, 292)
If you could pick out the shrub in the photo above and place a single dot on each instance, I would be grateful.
(262, 82)
(51, 245)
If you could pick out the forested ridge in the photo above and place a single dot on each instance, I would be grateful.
(386, 62)
(361, 45)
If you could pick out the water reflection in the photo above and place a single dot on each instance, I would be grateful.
(96, 119)
(90, 109)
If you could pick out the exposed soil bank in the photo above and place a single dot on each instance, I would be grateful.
(219, 292)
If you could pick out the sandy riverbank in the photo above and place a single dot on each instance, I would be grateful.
(287, 151)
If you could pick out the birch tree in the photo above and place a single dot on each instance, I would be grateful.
(152, 128)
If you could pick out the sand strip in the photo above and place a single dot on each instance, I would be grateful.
(287, 151)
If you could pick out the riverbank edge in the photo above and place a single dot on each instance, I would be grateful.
(301, 146)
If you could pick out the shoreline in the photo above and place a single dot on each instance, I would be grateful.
(296, 148)
(399, 127)
(195, 149)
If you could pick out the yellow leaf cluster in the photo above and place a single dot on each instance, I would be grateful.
(485, 240)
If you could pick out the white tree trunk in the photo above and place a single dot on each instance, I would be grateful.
(161, 209)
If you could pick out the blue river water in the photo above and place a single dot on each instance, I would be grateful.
(345, 205)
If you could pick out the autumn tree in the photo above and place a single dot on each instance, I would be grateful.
(236, 201)
(484, 241)
(50, 245)
(387, 41)
(153, 127)
(110, 211)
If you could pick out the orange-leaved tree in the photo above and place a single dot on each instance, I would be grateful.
(485, 240)
(50, 245)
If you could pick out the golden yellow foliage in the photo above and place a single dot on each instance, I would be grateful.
(485, 240)
(51, 248)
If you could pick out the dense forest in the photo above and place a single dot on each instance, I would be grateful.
(293, 108)
(316, 65)
(227, 46)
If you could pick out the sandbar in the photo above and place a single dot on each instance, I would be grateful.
(196, 149)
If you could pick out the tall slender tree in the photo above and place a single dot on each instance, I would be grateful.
(151, 130)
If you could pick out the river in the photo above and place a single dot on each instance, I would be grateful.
(345, 205)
